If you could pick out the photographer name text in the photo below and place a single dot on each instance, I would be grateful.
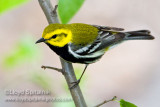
(27, 92)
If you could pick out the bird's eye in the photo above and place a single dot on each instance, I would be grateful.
(54, 36)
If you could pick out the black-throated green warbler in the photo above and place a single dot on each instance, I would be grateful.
(83, 43)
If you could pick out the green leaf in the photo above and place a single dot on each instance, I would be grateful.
(25, 51)
(8, 4)
(124, 103)
(68, 8)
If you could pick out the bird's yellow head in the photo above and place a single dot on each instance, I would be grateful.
(56, 34)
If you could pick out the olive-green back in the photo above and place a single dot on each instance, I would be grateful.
(83, 34)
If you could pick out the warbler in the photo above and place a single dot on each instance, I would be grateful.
(84, 43)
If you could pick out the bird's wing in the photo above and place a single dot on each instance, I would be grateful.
(105, 38)
(109, 38)
(106, 28)
(103, 41)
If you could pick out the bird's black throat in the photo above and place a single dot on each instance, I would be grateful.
(62, 52)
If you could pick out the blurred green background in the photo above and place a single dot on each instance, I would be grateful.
(129, 71)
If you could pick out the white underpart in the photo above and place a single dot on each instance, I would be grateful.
(81, 50)
(96, 54)
(95, 47)
(84, 49)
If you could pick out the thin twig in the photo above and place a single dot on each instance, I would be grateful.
(67, 67)
(106, 101)
(55, 9)
(53, 68)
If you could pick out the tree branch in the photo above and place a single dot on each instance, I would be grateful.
(106, 101)
(53, 68)
(67, 67)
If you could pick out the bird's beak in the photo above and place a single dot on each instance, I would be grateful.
(41, 40)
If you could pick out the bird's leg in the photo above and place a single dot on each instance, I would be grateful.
(78, 81)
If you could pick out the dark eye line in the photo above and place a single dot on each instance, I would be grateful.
(54, 36)
(64, 34)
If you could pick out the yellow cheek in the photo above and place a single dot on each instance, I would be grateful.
(56, 32)
(56, 43)
(60, 41)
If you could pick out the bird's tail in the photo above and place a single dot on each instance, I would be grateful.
(138, 35)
